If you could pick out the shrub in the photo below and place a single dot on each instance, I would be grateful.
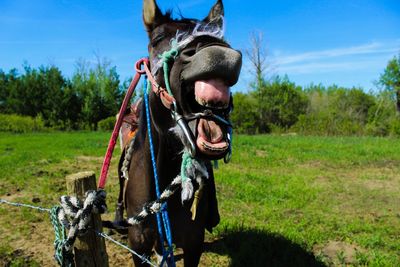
(244, 116)
(395, 126)
(20, 124)
(107, 124)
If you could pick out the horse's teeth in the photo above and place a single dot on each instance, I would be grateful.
(202, 102)
(206, 104)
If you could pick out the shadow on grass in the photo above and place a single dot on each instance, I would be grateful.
(250, 247)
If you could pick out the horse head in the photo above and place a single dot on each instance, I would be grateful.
(200, 66)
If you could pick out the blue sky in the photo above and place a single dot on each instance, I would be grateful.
(321, 41)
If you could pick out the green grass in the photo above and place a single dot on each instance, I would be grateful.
(284, 200)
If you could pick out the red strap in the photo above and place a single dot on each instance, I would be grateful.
(117, 126)
(166, 99)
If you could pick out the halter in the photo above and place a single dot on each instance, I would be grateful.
(169, 102)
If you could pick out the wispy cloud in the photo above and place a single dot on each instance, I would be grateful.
(362, 57)
(324, 67)
(365, 49)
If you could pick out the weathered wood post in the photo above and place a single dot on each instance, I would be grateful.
(90, 249)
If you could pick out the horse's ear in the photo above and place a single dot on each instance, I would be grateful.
(152, 15)
(216, 14)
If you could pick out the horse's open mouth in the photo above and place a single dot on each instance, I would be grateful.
(211, 139)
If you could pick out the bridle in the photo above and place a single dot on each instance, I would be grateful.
(168, 100)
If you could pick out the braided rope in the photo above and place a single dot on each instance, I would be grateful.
(156, 206)
(127, 159)
(62, 258)
(193, 169)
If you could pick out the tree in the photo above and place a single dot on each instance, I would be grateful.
(3, 91)
(281, 102)
(390, 79)
(260, 65)
(258, 56)
(244, 116)
(99, 89)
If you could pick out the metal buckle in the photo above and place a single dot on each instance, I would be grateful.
(185, 128)
(228, 155)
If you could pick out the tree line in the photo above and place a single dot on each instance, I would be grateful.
(280, 106)
(273, 105)
(93, 93)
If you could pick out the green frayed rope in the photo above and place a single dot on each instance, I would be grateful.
(186, 164)
(60, 238)
(166, 57)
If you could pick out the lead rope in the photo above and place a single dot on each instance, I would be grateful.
(164, 218)
(166, 57)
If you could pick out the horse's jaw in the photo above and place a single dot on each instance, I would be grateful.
(211, 137)
(211, 140)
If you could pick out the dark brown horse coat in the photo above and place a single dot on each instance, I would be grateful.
(200, 77)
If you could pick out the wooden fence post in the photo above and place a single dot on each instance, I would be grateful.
(90, 249)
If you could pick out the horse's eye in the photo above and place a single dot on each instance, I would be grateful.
(157, 39)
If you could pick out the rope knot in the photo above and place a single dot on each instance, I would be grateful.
(170, 55)
(191, 169)
(75, 216)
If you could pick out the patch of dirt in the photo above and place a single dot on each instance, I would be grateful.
(261, 153)
(311, 164)
(89, 158)
(14, 194)
(16, 255)
(387, 185)
(361, 190)
(38, 244)
(337, 252)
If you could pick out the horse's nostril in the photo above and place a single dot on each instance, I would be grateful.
(189, 52)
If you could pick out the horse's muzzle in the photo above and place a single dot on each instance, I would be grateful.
(212, 70)
(213, 62)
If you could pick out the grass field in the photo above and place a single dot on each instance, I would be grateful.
(284, 200)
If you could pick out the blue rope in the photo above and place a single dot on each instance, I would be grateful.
(164, 212)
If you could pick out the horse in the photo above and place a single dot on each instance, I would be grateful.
(199, 75)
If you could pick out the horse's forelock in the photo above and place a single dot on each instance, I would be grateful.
(183, 38)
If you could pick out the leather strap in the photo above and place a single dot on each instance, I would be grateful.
(161, 92)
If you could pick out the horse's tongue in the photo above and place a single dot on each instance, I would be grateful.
(210, 131)
(213, 91)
